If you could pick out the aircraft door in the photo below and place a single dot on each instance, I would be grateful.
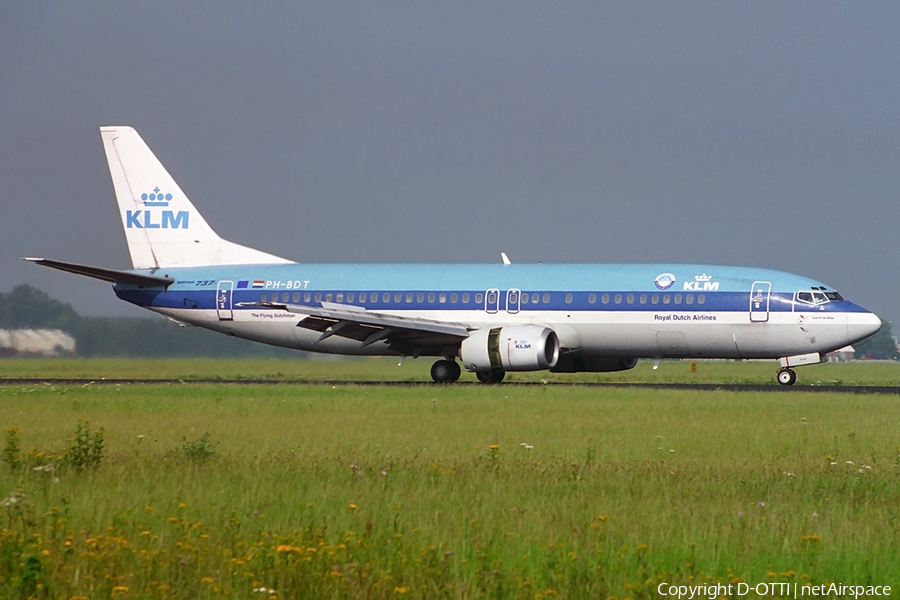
(513, 297)
(224, 292)
(492, 301)
(759, 301)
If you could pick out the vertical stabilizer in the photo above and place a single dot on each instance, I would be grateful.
(162, 227)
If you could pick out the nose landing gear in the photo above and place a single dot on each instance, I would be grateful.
(786, 376)
(445, 371)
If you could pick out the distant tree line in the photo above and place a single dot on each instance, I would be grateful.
(26, 307)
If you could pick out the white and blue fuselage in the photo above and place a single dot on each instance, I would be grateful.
(634, 311)
(492, 318)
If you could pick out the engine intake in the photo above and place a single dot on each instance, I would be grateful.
(511, 348)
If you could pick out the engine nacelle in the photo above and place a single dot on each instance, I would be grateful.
(593, 364)
(510, 348)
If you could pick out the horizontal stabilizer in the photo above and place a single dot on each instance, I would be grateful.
(110, 275)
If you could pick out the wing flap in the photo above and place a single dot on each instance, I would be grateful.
(405, 334)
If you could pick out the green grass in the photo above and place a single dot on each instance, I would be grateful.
(344, 491)
(386, 369)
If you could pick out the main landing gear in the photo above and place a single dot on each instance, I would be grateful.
(445, 371)
(490, 376)
(786, 376)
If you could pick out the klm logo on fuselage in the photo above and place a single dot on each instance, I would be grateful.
(701, 283)
(155, 219)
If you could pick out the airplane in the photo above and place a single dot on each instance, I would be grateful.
(485, 318)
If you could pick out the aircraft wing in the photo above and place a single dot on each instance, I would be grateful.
(110, 275)
(405, 335)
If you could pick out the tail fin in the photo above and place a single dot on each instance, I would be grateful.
(162, 227)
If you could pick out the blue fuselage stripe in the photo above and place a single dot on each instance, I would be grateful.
(580, 300)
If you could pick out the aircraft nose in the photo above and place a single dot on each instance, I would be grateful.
(862, 326)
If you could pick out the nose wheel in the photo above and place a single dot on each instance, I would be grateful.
(786, 376)
(445, 371)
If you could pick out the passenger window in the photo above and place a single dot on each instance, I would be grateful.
(479, 298)
(618, 299)
(397, 298)
(409, 298)
(689, 299)
(264, 298)
(592, 298)
(629, 298)
(654, 299)
(604, 298)
(306, 297)
(339, 297)
(430, 298)
(318, 297)
(568, 298)
(666, 299)
(524, 298)
(643, 298)
(284, 297)
(513, 298)
(546, 298)
(296, 297)
(453, 298)
(534, 298)
(328, 297)
(465, 298)
(420, 298)
(677, 298)
(442, 298)
(362, 297)
(701, 299)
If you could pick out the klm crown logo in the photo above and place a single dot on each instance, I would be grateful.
(701, 283)
(150, 219)
(156, 198)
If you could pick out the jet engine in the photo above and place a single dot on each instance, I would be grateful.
(510, 348)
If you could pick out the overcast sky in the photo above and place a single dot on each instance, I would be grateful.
(750, 133)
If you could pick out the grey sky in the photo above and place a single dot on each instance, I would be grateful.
(752, 133)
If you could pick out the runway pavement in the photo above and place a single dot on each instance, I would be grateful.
(706, 387)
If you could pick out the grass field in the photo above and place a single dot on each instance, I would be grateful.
(321, 491)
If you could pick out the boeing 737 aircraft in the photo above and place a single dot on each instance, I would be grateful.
(490, 318)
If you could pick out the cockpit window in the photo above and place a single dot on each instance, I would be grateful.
(817, 298)
(834, 296)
